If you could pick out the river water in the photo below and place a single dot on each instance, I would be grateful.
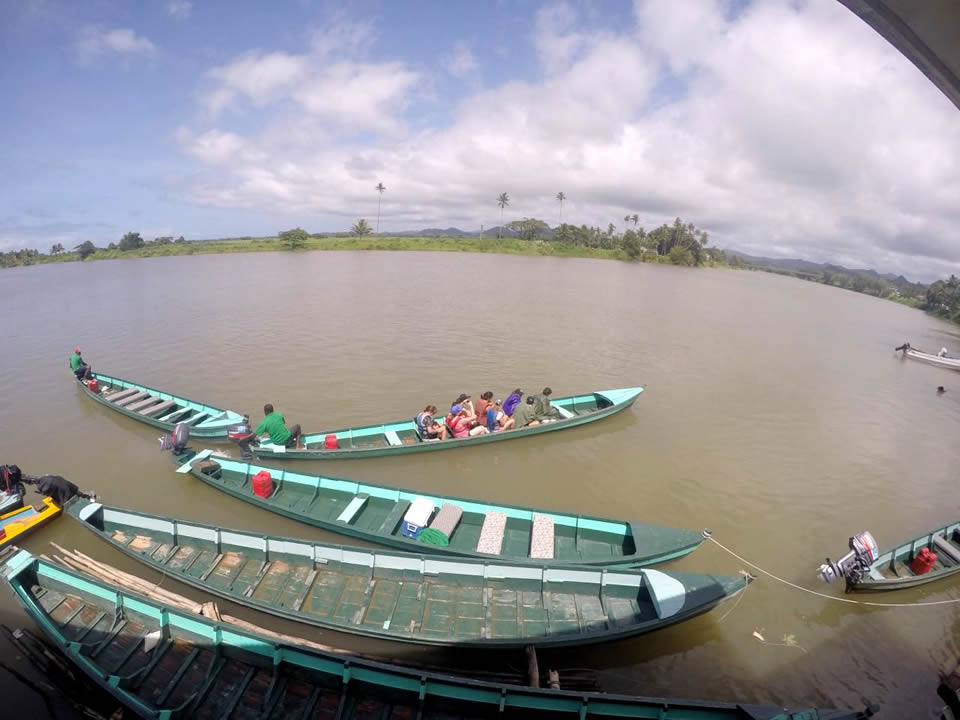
(776, 414)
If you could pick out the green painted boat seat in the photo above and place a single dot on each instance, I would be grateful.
(113, 397)
(392, 437)
(129, 400)
(491, 534)
(141, 404)
(352, 508)
(666, 592)
(447, 519)
(948, 549)
(541, 537)
(157, 409)
(195, 419)
(876, 574)
(188, 466)
(419, 512)
(564, 413)
(179, 412)
(390, 522)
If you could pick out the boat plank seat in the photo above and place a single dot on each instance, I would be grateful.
(564, 413)
(947, 548)
(157, 409)
(447, 519)
(142, 404)
(352, 508)
(121, 394)
(668, 594)
(140, 395)
(392, 437)
(492, 532)
(541, 537)
(393, 518)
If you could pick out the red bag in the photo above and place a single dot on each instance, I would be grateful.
(330, 442)
(262, 484)
(93, 385)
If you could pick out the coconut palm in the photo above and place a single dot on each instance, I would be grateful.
(361, 228)
(379, 188)
(503, 200)
(635, 218)
(561, 197)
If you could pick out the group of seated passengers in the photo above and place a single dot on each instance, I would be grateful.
(469, 419)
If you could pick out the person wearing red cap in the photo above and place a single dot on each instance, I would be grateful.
(79, 367)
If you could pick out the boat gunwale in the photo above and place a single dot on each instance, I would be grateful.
(431, 683)
(273, 451)
(617, 632)
(624, 561)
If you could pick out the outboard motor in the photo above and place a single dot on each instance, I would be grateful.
(864, 551)
(177, 440)
(11, 488)
(241, 434)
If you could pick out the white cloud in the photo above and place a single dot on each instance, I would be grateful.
(789, 128)
(180, 9)
(96, 41)
(461, 61)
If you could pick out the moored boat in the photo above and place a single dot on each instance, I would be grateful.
(400, 437)
(407, 597)
(940, 360)
(16, 525)
(162, 663)
(160, 409)
(427, 523)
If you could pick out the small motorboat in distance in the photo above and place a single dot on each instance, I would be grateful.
(941, 359)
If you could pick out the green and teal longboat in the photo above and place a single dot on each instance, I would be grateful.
(397, 438)
(163, 663)
(161, 409)
(891, 570)
(401, 518)
(406, 597)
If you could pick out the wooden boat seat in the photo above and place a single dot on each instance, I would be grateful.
(113, 397)
(564, 413)
(390, 522)
(447, 519)
(127, 401)
(392, 437)
(944, 546)
(141, 404)
(541, 537)
(157, 409)
(491, 534)
(179, 412)
(352, 508)
(668, 594)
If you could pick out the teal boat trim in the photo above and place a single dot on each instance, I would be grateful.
(375, 513)
(205, 421)
(406, 597)
(201, 668)
(401, 437)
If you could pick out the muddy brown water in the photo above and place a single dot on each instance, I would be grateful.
(776, 414)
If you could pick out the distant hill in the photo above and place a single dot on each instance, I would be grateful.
(452, 232)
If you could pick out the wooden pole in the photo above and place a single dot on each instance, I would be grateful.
(533, 670)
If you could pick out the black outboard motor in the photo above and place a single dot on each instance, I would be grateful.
(11, 488)
(176, 440)
(241, 434)
(864, 551)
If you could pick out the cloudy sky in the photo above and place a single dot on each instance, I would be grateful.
(784, 128)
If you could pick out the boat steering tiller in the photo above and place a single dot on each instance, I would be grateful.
(854, 565)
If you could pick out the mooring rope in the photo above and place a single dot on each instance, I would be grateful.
(708, 535)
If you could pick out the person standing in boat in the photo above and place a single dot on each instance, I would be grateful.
(275, 425)
(510, 404)
(542, 407)
(80, 369)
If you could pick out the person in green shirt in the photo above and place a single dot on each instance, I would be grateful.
(78, 366)
(275, 426)
(542, 407)
(525, 414)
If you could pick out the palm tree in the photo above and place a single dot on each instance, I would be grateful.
(503, 200)
(361, 228)
(379, 188)
(561, 197)
(635, 218)
(626, 219)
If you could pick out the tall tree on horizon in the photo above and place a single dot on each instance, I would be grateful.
(379, 188)
(503, 200)
(635, 218)
(561, 197)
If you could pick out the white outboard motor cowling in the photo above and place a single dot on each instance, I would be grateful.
(863, 553)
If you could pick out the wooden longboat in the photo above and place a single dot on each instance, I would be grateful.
(400, 437)
(16, 525)
(163, 663)
(161, 409)
(406, 597)
(489, 531)
(891, 570)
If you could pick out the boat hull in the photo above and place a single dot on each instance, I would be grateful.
(370, 441)
(18, 524)
(930, 359)
(891, 570)
(199, 667)
(406, 597)
(580, 541)
(214, 428)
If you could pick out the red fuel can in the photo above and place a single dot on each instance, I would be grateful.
(330, 442)
(93, 385)
(923, 562)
